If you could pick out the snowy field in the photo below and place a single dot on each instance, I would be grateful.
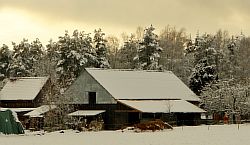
(195, 135)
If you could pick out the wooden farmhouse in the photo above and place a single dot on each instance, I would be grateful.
(126, 97)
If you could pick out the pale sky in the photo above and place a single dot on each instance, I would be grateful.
(45, 19)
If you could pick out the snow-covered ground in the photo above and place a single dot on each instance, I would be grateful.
(188, 135)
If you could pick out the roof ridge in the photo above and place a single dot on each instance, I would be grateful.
(132, 70)
(28, 77)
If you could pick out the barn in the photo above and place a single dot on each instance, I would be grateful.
(126, 97)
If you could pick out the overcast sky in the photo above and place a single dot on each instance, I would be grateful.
(47, 19)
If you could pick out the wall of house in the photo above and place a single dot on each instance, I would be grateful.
(125, 116)
(78, 91)
(41, 98)
(115, 116)
(188, 119)
(17, 104)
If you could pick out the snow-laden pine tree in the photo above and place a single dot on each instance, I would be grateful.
(52, 51)
(86, 49)
(101, 49)
(205, 61)
(36, 53)
(149, 51)
(25, 58)
(21, 65)
(74, 53)
(5, 59)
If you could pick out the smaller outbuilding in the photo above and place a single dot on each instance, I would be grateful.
(35, 119)
(24, 94)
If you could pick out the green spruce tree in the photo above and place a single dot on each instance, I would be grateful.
(149, 51)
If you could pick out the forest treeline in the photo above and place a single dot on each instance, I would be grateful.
(215, 66)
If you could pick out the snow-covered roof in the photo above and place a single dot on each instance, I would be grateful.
(39, 111)
(86, 112)
(162, 106)
(131, 84)
(18, 109)
(24, 88)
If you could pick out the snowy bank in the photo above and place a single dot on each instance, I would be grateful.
(187, 135)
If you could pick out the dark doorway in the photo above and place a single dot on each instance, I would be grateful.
(92, 98)
(133, 118)
(186, 119)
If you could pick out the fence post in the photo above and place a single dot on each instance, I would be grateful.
(182, 124)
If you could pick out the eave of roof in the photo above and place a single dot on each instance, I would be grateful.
(39, 111)
(162, 106)
(86, 112)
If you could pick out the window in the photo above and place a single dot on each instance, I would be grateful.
(92, 98)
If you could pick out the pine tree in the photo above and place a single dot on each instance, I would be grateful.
(86, 49)
(128, 52)
(65, 65)
(74, 53)
(149, 51)
(205, 62)
(20, 65)
(52, 51)
(5, 59)
(25, 58)
(36, 54)
(101, 49)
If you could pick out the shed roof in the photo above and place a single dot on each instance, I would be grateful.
(86, 112)
(131, 84)
(163, 106)
(39, 111)
(18, 109)
(24, 88)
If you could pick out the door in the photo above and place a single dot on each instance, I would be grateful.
(92, 98)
